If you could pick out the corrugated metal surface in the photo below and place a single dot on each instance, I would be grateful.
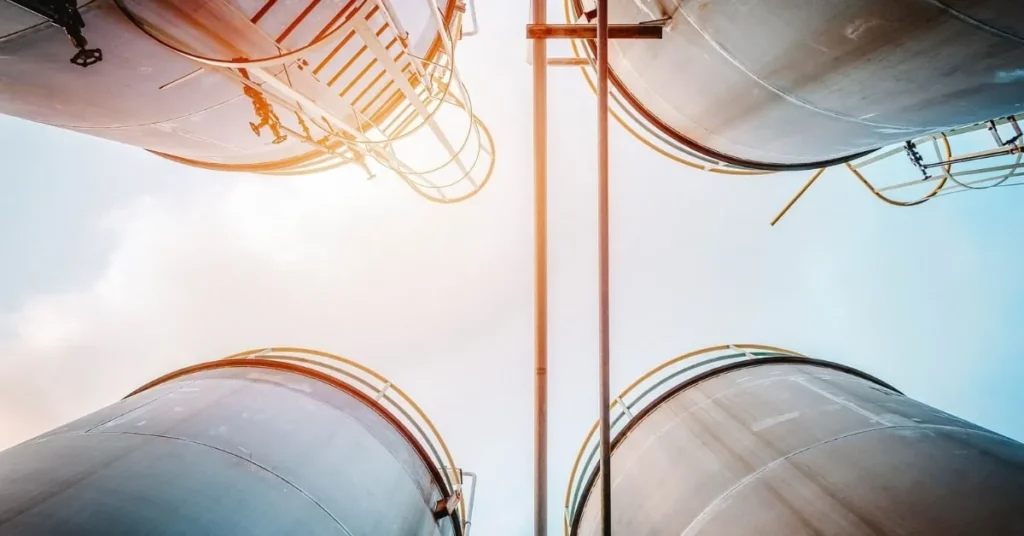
(804, 449)
(797, 82)
(225, 452)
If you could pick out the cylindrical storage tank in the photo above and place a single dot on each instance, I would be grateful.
(279, 441)
(252, 85)
(749, 440)
(798, 84)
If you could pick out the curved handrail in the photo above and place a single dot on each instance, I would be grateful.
(645, 390)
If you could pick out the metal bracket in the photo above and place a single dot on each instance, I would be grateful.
(625, 408)
(999, 139)
(380, 394)
(64, 13)
(446, 506)
(261, 353)
(650, 30)
(916, 159)
(746, 353)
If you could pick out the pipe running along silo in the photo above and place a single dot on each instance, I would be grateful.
(754, 86)
(750, 439)
(267, 86)
(265, 442)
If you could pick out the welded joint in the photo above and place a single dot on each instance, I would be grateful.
(262, 352)
(994, 130)
(446, 506)
(625, 408)
(382, 391)
(744, 351)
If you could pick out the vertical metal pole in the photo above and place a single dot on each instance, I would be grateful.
(540, 192)
(602, 203)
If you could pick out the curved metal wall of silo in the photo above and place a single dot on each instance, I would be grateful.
(801, 84)
(251, 85)
(749, 439)
(279, 441)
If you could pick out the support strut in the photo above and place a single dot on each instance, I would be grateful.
(539, 32)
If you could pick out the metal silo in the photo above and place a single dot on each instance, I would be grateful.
(751, 439)
(753, 87)
(266, 86)
(274, 441)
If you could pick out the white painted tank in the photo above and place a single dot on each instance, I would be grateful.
(269, 86)
(801, 84)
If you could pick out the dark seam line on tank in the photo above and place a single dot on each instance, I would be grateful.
(795, 377)
(766, 467)
(283, 479)
(975, 22)
(153, 123)
(370, 432)
(706, 401)
(160, 122)
(104, 423)
(112, 419)
(728, 391)
(10, 36)
(785, 95)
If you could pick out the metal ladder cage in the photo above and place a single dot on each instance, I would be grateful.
(956, 161)
(642, 392)
(392, 398)
(288, 56)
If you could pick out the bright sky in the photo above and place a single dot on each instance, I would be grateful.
(119, 266)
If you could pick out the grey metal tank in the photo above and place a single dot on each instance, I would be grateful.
(755, 441)
(260, 443)
(252, 85)
(795, 84)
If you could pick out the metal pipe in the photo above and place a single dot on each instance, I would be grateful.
(472, 500)
(471, 8)
(589, 31)
(540, 225)
(603, 212)
(797, 196)
(568, 62)
(1000, 151)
